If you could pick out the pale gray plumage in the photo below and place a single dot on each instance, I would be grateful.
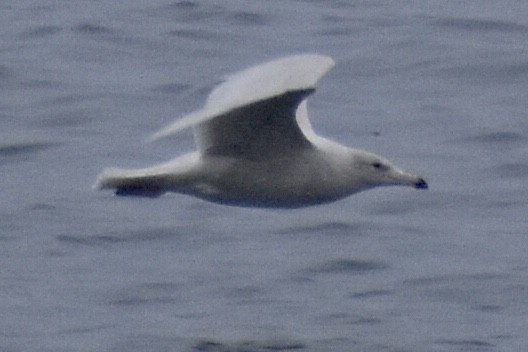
(256, 147)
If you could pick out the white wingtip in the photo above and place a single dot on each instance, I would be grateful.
(181, 124)
(269, 79)
(103, 180)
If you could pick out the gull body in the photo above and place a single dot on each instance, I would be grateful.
(256, 147)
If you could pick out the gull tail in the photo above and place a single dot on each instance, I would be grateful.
(131, 183)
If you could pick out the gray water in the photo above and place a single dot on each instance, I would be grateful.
(441, 88)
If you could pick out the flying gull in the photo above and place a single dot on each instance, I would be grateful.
(256, 147)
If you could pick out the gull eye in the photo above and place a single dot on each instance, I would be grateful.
(379, 166)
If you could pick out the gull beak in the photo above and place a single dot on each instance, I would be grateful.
(403, 178)
(421, 184)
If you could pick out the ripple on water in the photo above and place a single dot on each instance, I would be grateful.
(499, 137)
(153, 234)
(472, 289)
(512, 170)
(497, 140)
(370, 294)
(42, 31)
(480, 25)
(148, 294)
(150, 342)
(93, 29)
(467, 345)
(326, 228)
(248, 18)
(347, 266)
(21, 150)
(249, 346)
(499, 70)
(192, 33)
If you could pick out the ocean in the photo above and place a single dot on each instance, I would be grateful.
(440, 88)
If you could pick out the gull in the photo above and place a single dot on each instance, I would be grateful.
(256, 147)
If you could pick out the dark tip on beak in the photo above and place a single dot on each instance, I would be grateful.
(421, 184)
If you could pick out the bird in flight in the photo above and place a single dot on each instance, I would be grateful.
(256, 147)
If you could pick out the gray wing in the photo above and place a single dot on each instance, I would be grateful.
(253, 113)
(256, 130)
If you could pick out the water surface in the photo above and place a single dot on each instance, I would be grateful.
(438, 88)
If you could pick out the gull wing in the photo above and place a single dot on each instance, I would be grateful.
(254, 110)
(255, 130)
